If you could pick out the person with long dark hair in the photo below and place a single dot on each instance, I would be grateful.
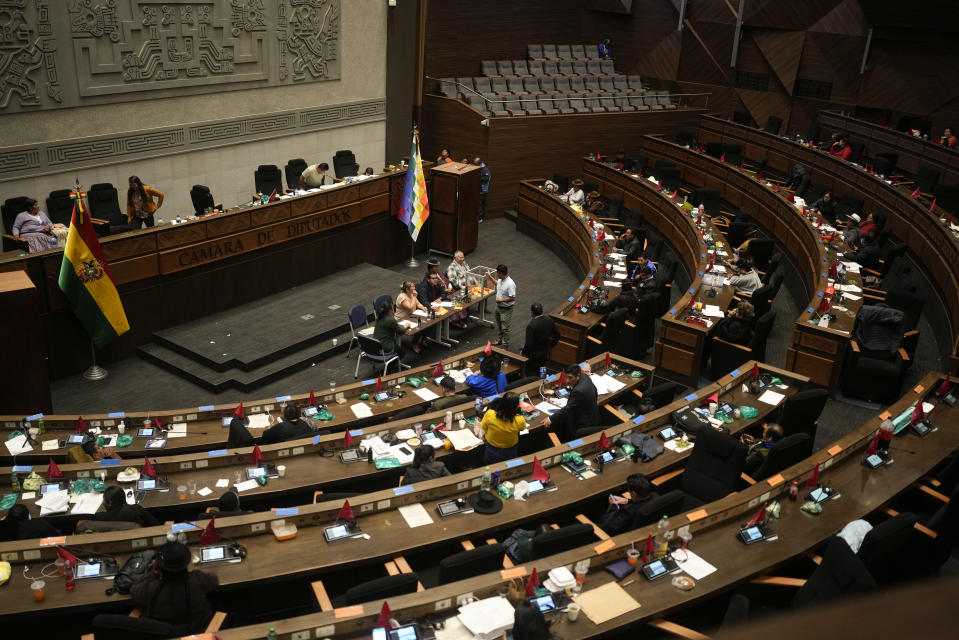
(424, 466)
(175, 595)
(501, 424)
(529, 623)
(142, 203)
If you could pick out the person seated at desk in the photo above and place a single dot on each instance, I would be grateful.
(430, 290)
(826, 207)
(581, 410)
(33, 227)
(291, 428)
(501, 425)
(406, 303)
(575, 195)
(368, 171)
(620, 160)
(758, 450)
(88, 451)
(228, 505)
(116, 509)
(174, 595)
(625, 300)
(745, 278)
(594, 204)
(239, 435)
(867, 253)
(389, 332)
(529, 623)
(19, 525)
(444, 156)
(433, 266)
(490, 380)
(621, 512)
(797, 179)
(841, 148)
(642, 260)
(424, 466)
(449, 398)
(628, 243)
(458, 271)
(948, 138)
(645, 284)
(737, 326)
(541, 335)
(854, 228)
(315, 175)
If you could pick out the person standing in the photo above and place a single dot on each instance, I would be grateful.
(315, 175)
(485, 176)
(34, 227)
(142, 203)
(505, 299)
(581, 410)
(541, 335)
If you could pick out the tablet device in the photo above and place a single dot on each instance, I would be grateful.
(50, 488)
(88, 570)
(269, 470)
(874, 460)
(336, 532)
(543, 603)
(408, 632)
(562, 392)
(453, 507)
(156, 443)
(350, 455)
(309, 412)
(668, 434)
(146, 484)
(75, 438)
(213, 554)
(727, 409)
(658, 568)
(536, 486)
(921, 429)
(606, 456)
(749, 535)
(145, 432)
(819, 494)
(101, 567)
(382, 396)
(226, 421)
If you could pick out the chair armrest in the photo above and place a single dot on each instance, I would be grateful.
(747, 479)
(892, 513)
(602, 535)
(316, 496)
(216, 622)
(929, 491)
(619, 416)
(391, 568)
(869, 271)
(743, 294)
(595, 340)
(467, 545)
(638, 393)
(815, 557)
(854, 346)
(319, 591)
(666, 477)
(677, 629)
(553, 438)
(903, 355)
(630, 324)
(779, 581)
(402, 564)
(137, 613)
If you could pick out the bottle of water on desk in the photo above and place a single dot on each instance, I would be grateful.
(487, 480)
(479, 408)
(662, 541)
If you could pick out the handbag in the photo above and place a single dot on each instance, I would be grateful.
(133, 570)
(690, 421)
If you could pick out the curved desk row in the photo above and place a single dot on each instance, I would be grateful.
(817, 352)
(204, 424)
(308, 554)
(861, 492)
(935, 247)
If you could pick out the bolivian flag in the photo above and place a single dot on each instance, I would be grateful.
(86, 281)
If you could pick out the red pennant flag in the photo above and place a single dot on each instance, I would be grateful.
(834, 268)
(813, 480)
(532, 583)
(438, 369)
(742, 164)
(951, 217)
(675, 193)
(383, 620)
(659, 187)
(759, 517)
(790, 198)
(759, 176)
(210, 535)
(944, 387)
(346, 512)
(539, 473)
(273, 196)
(713, 397)
(699, 220)
(594, 281)
(65, 555)
(869, 170)
(619, 166)
(608, 360)
(489, 348)
(895, 179)
(818, 223)
(347, 439)
(755, 372)
(148, 469)
(591, 224)
(831, 290)
(562, 379)
(312, 398)
(81, 425)
(692, 302)
(722, 158)
(932, 207)
(158, 423)
(873, 446)
(53, 471)
(256, 457)
(649, 548)
(824, 305)
(918, 415)
(238, 412)
(776, 187)
(709, 267)
(915, 194)
(379, 383)
(604, 444)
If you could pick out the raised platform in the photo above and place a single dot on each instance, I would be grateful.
(256, 343)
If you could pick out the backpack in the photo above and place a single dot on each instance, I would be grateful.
(133, 570)
(647, 447)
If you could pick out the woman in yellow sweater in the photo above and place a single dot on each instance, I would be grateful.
(140, 203)
(501, 424)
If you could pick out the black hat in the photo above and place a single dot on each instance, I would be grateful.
(485, 502)
(433, 262)
(173, 556)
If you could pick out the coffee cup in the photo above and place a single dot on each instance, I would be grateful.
(281, 470)
(572, 612)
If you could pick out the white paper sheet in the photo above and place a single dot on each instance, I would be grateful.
(547, 408)
(848, 287)
(487, 618)
(463, 439)
(851, 296)
(259, 421)
(617, 275)
(426, 394)
(360, 410)
(222, 483)
(409, 324)
(771, 397)
(18, 445)
(88, 503)
(851, 267)
(611, 283)
(176, 434)
(419, 312)
(713, 311)
(396, 451)
(694, 566)
(415, 515)
(205, 491)
(178, 427)
(54, 502)
(28, 495)
(246, 485)
(678, 445)
(48, 445)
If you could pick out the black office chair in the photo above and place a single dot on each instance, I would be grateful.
(707, 197)
(113, 626)
(268, 178)
(521, 382)
(293, 169)
(467, 564)
(743, 118)
(800, 412)
(713, 469)
(762, 298)
(885, 163)
(589, 186)
(927, 179)
(380, 588)
(11, 208)
(60, 206)
(202, 198)
(640, 162)
(841, 573)
(727, 356)
(714, 149)
(662, 393)
(790, 450)
(882, 549)
(774, 125)
(733, 153)
(857, 148)
(104, 203)
(761, 249)
(669, 177)
(945, 522)
(774, 263)
(563, 539)
(653, 509)
(910, 304)
(685, 138)
(410, 412)
(371, 349)
(562, 182)
(344, 164)
(739, 232)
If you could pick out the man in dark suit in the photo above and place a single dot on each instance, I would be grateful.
(541, 335)
(581, 410)
(291, 428)
(620, 515)
(430, 289)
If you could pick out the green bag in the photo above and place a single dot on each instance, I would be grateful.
(504, 492)
(125, 440)
(364, 396)
(416, 383)
(324, 414)
(386, 463)
(573, 457)
(636, 374)
(7, 501)
(748, 412)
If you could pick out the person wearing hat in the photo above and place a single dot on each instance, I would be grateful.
(228, 505)
(173, 594)
(424, 466)
(575, 195)
(116, 509)
(490, 380)
(433, 266)
(501, 425)
(88, 451)
(449, 397)
(594, 204)
(291, 428)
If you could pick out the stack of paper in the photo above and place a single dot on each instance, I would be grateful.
(713, 311)
(18, 445)
(694, 566)
(415, 515)
(48, 445)
(771, 397)
(487, 619)
(426, 394)
(361, 410)
(88, 503)
(54, 502)
(463, 439)
(259, 421)
(605, 384)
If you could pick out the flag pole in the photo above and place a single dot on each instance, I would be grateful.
(412, 261)
(95, 372)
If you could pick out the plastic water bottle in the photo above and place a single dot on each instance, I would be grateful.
(449, 420)
(14, 482)
(272, 634)
(479, 408)
(53, 242)
(662, 542)
(40, 427)
(487, 480)
(885, 435)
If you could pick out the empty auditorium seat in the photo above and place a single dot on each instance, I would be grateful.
(594, 68)
(534, 51)
(578, 84)
(563, 85)
(635, 83)
(607, 67)
(484, 86)
(499, 86)
(621, 84)
(591, 83)
(60, 207)
(549, 52)
(606, 101)
(536, 68)
(505, 68)
(547, 106)
(488, 68)
(515, 86)
(637, 102)
(577, 103)
(466, 86)
(592, 102)
(563, 52)
(606, 84)
(548, 85)
(513, 105)
(579, 67)
(448, 87)
(562, 105)
(665, 101)
(578, 51)
(202, 198)
(520, 69)
(622, 101)
(551, 68)
(774, 125)
(652, 102)
(592, 51)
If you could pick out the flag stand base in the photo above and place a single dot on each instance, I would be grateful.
(95, 371)
(412, 261)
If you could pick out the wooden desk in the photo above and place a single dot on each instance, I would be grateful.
(714, 527)
(935, 248)
(817, 352)
(204, 424)
(271, 560)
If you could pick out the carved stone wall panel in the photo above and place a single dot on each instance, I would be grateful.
(69, 53)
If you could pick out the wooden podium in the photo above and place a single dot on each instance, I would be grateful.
(25, 384)
(454, 207)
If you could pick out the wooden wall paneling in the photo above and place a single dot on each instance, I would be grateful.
(782, 51)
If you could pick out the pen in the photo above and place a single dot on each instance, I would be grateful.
(627, 583)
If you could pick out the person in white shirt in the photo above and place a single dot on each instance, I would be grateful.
(745, 278)
(505, 299)
(315, 175)
(575, 194)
